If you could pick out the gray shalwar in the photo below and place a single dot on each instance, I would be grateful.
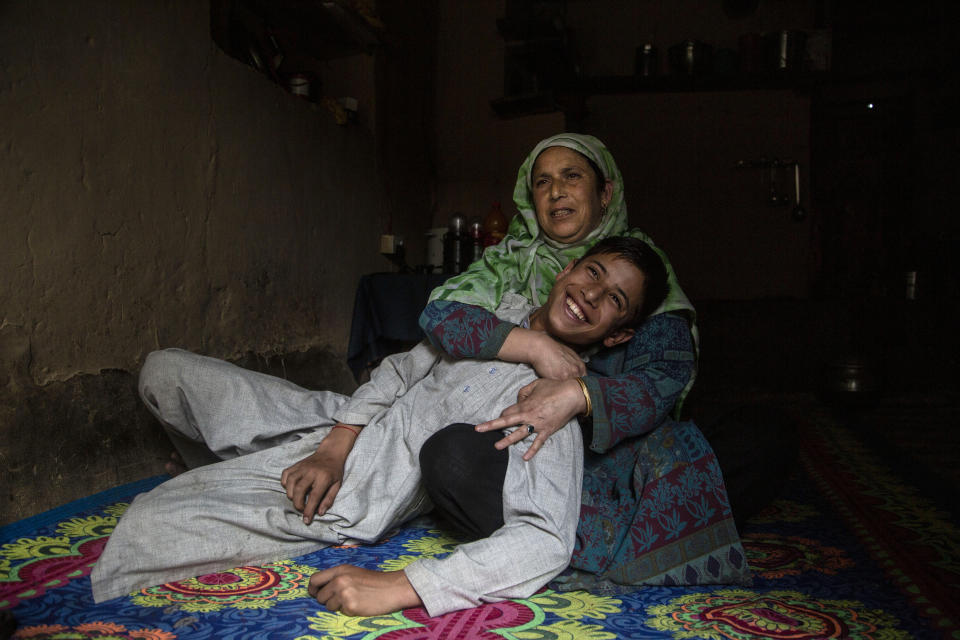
(236, 512)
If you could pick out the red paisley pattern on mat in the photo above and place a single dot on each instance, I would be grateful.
(772, 618)
(91, 630)
(35, 577)
(775, 556)
(738, 614)
(243, 587)
(239, 582)
(478, 623)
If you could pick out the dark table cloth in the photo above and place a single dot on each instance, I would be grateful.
(386, 312)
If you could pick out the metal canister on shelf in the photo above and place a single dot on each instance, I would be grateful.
(475, 239)
(646, 64)
(910, 278)
(453, 244)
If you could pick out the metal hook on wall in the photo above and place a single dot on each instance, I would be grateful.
(798, 213)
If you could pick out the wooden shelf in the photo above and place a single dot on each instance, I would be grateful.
(800, 81)
(572, 94)
(285, 37)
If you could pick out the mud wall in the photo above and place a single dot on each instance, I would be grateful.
(155, 192)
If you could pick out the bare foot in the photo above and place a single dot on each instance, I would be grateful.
(175, 466)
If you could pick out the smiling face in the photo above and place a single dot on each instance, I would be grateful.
(567, 194)
(592, 301)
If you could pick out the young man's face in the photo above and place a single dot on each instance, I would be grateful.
(591, 300)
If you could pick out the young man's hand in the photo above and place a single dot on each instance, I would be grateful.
(547, 405)
(313, 483)
(362, 592)
(549, 358)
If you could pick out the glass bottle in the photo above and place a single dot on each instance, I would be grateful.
(494, 225)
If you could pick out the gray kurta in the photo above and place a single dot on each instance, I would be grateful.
(235, 512)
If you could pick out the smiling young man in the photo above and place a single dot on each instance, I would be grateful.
(353, 483)
(595, 302)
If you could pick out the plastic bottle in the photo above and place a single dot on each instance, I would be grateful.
(494, 225)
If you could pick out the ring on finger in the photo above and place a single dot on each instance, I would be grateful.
(530, 429)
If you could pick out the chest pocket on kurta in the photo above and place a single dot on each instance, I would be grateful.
(478, 391)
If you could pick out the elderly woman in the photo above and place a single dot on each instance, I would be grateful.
(654, 509)
(569, 193)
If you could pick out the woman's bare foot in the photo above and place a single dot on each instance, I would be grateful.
(175, 466)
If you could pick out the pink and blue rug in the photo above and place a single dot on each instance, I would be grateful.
(851, 551)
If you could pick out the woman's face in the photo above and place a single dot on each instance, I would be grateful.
(565, 194)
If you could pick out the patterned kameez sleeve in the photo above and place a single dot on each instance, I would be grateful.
(464, 330)
(634, 389)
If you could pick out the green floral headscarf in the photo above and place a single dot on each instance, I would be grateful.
(527, 262)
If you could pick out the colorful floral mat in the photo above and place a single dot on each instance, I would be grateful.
(849, 552)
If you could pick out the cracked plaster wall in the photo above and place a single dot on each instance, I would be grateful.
(156, 193)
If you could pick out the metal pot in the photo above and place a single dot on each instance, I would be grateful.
(691, 57)
(785, 50)
(850, 375)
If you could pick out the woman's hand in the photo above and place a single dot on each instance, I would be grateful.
(548, 405)
(549, 358)
(362, 592)
(313, 483)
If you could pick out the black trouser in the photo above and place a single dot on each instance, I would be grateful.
(464, 474)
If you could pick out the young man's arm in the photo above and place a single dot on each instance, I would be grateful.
(541, 510)
(312, 484)
(356, 591)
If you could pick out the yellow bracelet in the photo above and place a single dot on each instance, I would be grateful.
(586, 395)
